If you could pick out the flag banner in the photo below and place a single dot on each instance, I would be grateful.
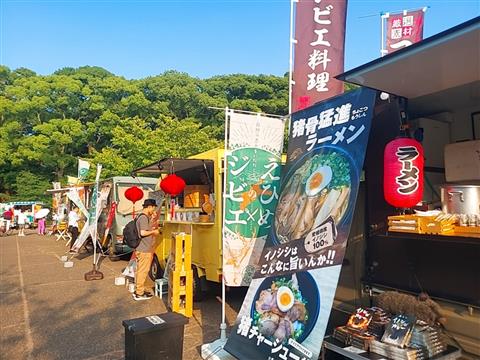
(253, 166)
(74, 195)
(288, 303)
(404, 29)
(97, 202)
(318, 51)
(83, 167)
(72, 180)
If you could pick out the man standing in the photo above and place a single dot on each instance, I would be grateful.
(8, 217)
(73, 225)
(21, 221)
(144, 251)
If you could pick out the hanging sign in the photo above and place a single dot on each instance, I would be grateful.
(319, 51)
(403, 172)
(404, 29)
(253, 166)
(288, 304)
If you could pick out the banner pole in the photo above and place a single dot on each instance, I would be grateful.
(223, 325)
(383, 16)
(290, 71)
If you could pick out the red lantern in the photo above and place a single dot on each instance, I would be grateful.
(134, 194)
(403, 172)
(172, 185)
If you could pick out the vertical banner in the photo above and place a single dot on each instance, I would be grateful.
(56, 197)
(404, 29)
(253, 167)
(94, 211)
(319, 51)
(83, 167)
(74, 195)
(287, 307)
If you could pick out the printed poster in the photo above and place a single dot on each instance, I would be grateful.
(288, 304)
(253, 167)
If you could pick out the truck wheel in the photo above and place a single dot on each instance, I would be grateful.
(156, 271)
(111, 250)
(198, 293)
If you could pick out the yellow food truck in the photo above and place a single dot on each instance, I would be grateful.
(197, 211)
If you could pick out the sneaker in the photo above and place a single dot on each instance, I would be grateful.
(145, 296)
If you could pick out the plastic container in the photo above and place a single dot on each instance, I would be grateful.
(68, 264)
(155, 337)
(119, 280)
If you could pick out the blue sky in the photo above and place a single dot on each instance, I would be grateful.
(141, 38)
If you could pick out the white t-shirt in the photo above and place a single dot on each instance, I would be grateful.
(73, 219)
(21, 218)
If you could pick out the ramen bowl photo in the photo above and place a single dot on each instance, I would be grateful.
(286, 307)
(319, 185)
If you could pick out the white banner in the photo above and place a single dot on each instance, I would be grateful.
(74, 196)
(98, 197)
(253, 160)
(83, 167)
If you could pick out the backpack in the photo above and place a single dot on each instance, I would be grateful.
(131, 235)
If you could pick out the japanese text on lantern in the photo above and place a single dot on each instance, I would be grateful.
(318, 59)
(408, 178)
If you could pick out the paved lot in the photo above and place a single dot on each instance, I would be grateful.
(50, 312)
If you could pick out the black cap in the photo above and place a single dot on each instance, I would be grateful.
(149, 202)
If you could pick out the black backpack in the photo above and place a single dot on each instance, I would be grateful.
(131, 236)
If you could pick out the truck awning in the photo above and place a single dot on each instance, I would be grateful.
(165, 166)
(445, 66)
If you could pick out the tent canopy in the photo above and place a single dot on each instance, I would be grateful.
(165, 166)
(438, 74)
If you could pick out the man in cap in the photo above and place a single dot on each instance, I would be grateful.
(144, 251)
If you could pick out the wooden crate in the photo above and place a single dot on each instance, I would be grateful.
(193, 195)
(180, 276)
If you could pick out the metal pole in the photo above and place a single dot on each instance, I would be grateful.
(223, 325)
(290, 71)
(383, 16)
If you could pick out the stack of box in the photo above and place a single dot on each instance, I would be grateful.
(428, 338)
(379, 321)
(180, 276)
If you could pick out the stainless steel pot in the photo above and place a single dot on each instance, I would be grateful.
(460, 199)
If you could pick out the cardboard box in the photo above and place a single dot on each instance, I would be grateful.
(193, 195)
(462, 161)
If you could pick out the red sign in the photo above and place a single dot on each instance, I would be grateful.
(319, 51)
(404, 29)
(403, 173)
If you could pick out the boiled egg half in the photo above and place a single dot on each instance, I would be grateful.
(318, 180)
(285, 298)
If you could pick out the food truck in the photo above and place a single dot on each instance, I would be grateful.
(197, 211)
(111, 237)
(430, 91)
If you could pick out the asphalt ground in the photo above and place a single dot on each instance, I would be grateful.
(50, 312)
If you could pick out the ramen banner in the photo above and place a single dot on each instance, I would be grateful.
(287, 306)
(252, 185)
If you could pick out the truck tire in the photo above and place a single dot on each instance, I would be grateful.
(156, 271)
(198, 293)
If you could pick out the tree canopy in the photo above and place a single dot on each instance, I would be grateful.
(48, 122)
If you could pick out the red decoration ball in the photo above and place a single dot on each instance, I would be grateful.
(134, 194)
(172, 185)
